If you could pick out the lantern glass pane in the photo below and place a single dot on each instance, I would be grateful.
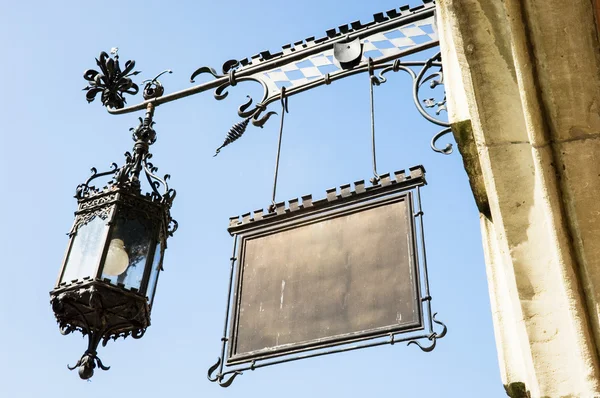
(127, 253)
(86, 250)
(154, 273)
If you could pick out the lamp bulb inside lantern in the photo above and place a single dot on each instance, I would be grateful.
(117, 259)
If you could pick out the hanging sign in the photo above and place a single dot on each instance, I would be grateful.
(316, 275)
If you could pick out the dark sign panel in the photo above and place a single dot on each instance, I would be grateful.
(339, 270)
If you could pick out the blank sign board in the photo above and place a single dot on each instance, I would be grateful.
(331, 274)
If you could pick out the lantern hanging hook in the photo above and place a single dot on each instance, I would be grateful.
(284, 110)
(373, 81)
(153, 87)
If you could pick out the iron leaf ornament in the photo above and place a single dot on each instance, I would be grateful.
(111, 82)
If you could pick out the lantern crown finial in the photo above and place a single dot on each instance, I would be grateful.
(136, 168)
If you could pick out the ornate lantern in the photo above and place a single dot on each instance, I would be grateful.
(108, 279)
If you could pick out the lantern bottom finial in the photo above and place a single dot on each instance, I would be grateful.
(102, 312)
(87, 364)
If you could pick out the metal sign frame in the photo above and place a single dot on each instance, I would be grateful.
(390, 189)
(318, 215)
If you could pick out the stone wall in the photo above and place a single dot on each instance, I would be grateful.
(523, 83)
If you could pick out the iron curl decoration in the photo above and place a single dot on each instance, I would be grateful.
(433, 337)
(94, 321)
(136, 163)
(114, 333)
(87, 363)
(246, 111)
(111, 82)
(219, 378)
(90, 360)
(435, 79)
(153, 87)
(86, 189)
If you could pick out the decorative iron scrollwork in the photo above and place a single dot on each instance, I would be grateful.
(87, 363)
(102, 212)
(426, 74)
(220, 377)
(246, 111)
(433, 337)
(136, 163)
(111, 82)
(71, 318)
(153, 87)
(94, 202)
(305, 65)
(435, 79)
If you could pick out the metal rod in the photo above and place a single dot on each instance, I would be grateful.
(424, 257)
(284, 110)
(321, 353)
(264, 66)
(319, 82)
(374, 156)
(226, 323)
(149, 113)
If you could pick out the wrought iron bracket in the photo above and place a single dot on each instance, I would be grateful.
(299, 67)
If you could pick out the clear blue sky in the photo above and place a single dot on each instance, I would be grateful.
(50, 137)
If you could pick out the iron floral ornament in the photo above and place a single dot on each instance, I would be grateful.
(111, 82)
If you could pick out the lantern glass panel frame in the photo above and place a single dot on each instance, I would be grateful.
(117, 224)
(85, 249)
(129, 251)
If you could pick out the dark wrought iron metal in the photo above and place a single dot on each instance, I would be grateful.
(227, 368)
(236, 132)
(101, 308)
(136, 165)
(435, 79)
(432, 337)
(153, 87)
(351, 49)
(284, 110)
(373, 81)
(307, 64)
(246, 110)
(111, 82)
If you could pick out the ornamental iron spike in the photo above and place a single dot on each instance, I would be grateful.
(236, 131)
